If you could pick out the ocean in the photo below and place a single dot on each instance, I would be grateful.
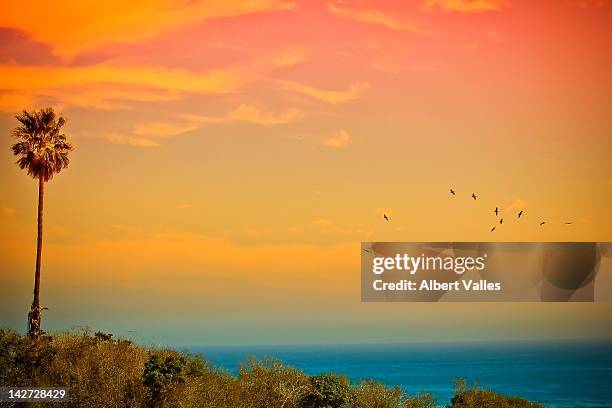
(557, 374)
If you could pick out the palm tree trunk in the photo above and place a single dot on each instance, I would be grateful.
(34, 315)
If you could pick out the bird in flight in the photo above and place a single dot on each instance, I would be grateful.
(385, 217)
(542, 223)
(492, 229)
(473, 196)
(496, 211)
(520, 213)
(452, 191)
(501, 221)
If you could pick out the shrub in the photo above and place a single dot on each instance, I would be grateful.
(163, 376)
(103, 336)
(269, 383)
(99, 373)
(22, 358)
(103, 372)
(477, 398)
(215, 390)
(370, 394)
(424, 400)
(327, 391)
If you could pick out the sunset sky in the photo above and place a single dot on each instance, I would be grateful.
(230, 156)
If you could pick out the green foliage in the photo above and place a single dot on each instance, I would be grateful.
(22, 358)
(160, 370)
(102, 372)
(477, 398)
(327, 391)
(163, 374)
(42, 148)
(98, 373)
(103, 336)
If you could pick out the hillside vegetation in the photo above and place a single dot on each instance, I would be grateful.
(103, 372)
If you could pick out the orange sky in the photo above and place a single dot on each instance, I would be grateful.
(231, 156)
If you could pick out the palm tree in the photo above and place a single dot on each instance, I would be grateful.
(43, 151)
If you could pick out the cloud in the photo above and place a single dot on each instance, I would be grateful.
(144, 254)
(246, 113)
(105, 86)
(17, 46)
(7, 211)
(464, 6)
(108, 96)
(164, 129)
(146, 134)
(375, 16)
(253, 114)
(339, 139)
(117, 138)
(324, 95)
(44, 77)
(112, 86)
(14, 102)
(70, 27)
(288, 58)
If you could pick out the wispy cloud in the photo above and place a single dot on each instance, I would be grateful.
(339, 139)
(464, 6)
(148, 134)
(126, 139)
(253, 114)
(164, 129)
(288, 58)
(375, 16)
(113, 86)
(14, 101)
(245, 113)
(325, 95)
(86, 25)
(105, 86)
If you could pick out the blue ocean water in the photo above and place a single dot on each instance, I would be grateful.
(557, 374)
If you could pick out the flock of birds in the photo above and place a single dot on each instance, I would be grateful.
(496, 211)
